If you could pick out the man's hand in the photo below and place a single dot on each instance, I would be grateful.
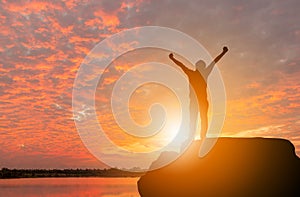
(225, 49)
(171, 56)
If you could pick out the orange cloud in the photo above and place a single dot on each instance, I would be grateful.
(45, 42)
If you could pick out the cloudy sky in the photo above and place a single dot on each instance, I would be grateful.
(42, 44)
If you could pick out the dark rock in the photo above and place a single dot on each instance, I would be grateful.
(234, 167)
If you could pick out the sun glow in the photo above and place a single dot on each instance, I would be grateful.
(141, 107)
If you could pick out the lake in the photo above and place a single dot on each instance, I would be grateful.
(62, 187)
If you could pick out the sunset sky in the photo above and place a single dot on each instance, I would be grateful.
(42, 44)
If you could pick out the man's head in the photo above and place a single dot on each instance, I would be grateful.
(200, 65)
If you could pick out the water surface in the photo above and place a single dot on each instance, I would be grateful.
(62, 187)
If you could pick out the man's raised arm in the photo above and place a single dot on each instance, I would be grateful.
(182, 66)
(211, 65)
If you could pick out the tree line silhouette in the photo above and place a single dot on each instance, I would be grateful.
(6, 173)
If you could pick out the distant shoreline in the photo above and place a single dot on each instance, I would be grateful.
(6, 173)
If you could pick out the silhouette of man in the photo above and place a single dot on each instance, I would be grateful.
(198, 82)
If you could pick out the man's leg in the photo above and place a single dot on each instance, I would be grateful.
(193, 112)
(204, 119)
(194, 109)
(193, 121)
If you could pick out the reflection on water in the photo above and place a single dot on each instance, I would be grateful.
(62, 187)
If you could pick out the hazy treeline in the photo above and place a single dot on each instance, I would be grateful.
(38, 173)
